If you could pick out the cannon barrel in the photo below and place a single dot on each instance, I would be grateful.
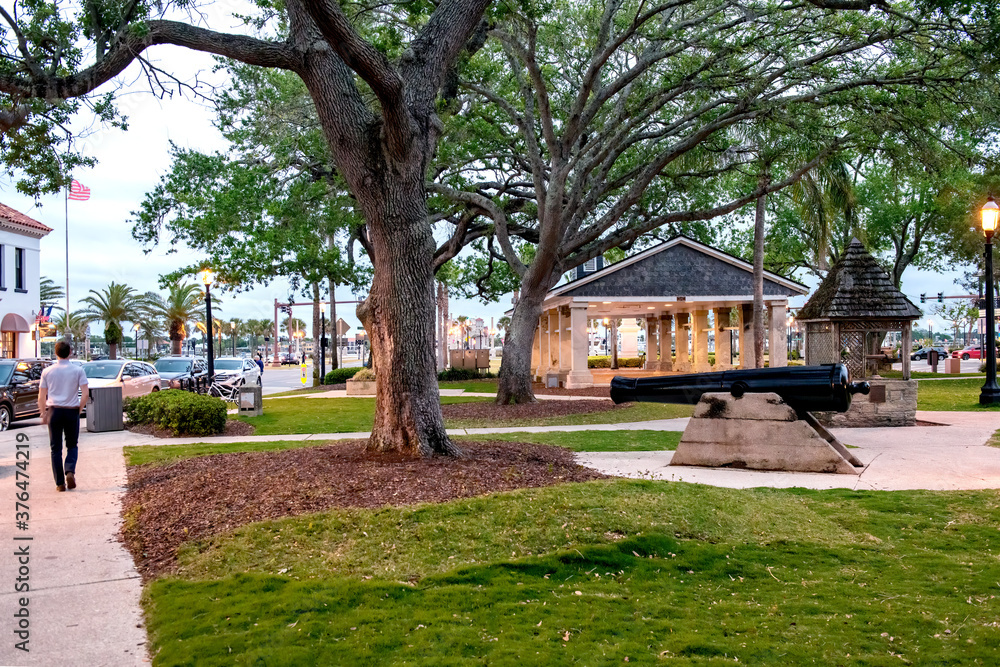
(804, 388)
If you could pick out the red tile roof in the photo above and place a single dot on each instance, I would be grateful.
(8, 214)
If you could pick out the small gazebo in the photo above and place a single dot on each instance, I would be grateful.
(855, 306)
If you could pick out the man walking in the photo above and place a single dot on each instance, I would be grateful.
(60, 409)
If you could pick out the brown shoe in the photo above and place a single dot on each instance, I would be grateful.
(70, 480)
(60, 487)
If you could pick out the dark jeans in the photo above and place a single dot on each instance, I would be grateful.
(63, 421)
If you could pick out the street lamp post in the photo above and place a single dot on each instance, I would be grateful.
(135, 328)
(232, 326)
(322, 342)
(990, 394)
(206, 280)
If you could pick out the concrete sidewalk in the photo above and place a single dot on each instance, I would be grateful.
(84, 590)
(950, 456)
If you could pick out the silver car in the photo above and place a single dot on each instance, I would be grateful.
(236, 371)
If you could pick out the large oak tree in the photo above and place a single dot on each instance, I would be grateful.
(618, 118)
(380, 122)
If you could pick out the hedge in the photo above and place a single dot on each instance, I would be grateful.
(459, 374)
(182, 412)
(340, 375)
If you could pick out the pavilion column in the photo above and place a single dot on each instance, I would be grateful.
(746, 336)
(723, 341)
(683, 362)
(536, 350)
(778, 353)
(565, 342)
(652, 345)
(666, 326)
(906, 349)
(699, 340)
(544, 346)
(579, 375)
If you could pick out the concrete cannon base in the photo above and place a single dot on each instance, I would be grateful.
(760, 432)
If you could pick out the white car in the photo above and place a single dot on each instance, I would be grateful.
(136, 378)
(236, 371)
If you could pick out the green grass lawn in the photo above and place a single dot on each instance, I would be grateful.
(595, 573)
(995, 440)
(298, 392)
(637, 412)
(578, 441)
(960, 395)
(349, 415)
(475, 386)
(323, 415)
(923, 375)
(593, 441)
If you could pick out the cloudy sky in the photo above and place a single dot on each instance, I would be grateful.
(130, 164)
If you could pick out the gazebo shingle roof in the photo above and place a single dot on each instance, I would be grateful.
(858, 288)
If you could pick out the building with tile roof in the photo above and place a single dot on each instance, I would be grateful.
(20, 248)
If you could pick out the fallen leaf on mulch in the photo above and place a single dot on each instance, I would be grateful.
(491, 412)
(233, 427)
(168, 505)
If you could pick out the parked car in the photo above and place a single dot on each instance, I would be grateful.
(968, 352)
(19, 389)
(136, 378)
(236, 371)
(181, 372)
(924, 352)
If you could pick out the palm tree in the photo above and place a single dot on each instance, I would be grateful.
(178, 309)
(502, 325)
(257, 329)
(113, 305)
(237, 327)
(73, 326)
(50, 294)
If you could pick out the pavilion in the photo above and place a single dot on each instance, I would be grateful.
(680, 291)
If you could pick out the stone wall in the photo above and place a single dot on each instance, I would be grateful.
(890, 403)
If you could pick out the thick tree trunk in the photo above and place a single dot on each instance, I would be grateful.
(399, 318)
(514, 383)
(332, 324)
(316, 334)
(758, 279)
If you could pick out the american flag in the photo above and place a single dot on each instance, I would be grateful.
(78, 191)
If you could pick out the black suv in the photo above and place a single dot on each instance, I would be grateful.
(181, 372)
(19, 380)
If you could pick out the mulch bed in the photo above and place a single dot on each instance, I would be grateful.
(491, 412)
(196, 498)
(233, 427)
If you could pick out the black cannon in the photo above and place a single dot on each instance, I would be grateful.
(803, 388)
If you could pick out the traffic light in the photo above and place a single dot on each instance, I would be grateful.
(940, 297)
(923, 298)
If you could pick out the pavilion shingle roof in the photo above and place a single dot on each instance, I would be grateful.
(858, 288)
(9, 215)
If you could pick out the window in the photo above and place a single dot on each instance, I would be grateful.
(19, 270)
(3, 267)
(8, 344)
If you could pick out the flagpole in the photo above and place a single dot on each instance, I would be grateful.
(67, 254)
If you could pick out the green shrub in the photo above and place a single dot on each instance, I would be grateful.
(623, 362)
(459, 374)
(340, 375)
(182, 412)
(364, 375)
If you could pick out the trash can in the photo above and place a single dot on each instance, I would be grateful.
(251, 400)
(104, 410)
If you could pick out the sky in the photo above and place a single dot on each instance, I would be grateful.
(131, 163)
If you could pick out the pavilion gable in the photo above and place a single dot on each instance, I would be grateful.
(681, 267)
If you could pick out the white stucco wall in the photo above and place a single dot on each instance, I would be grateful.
(24, 303)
